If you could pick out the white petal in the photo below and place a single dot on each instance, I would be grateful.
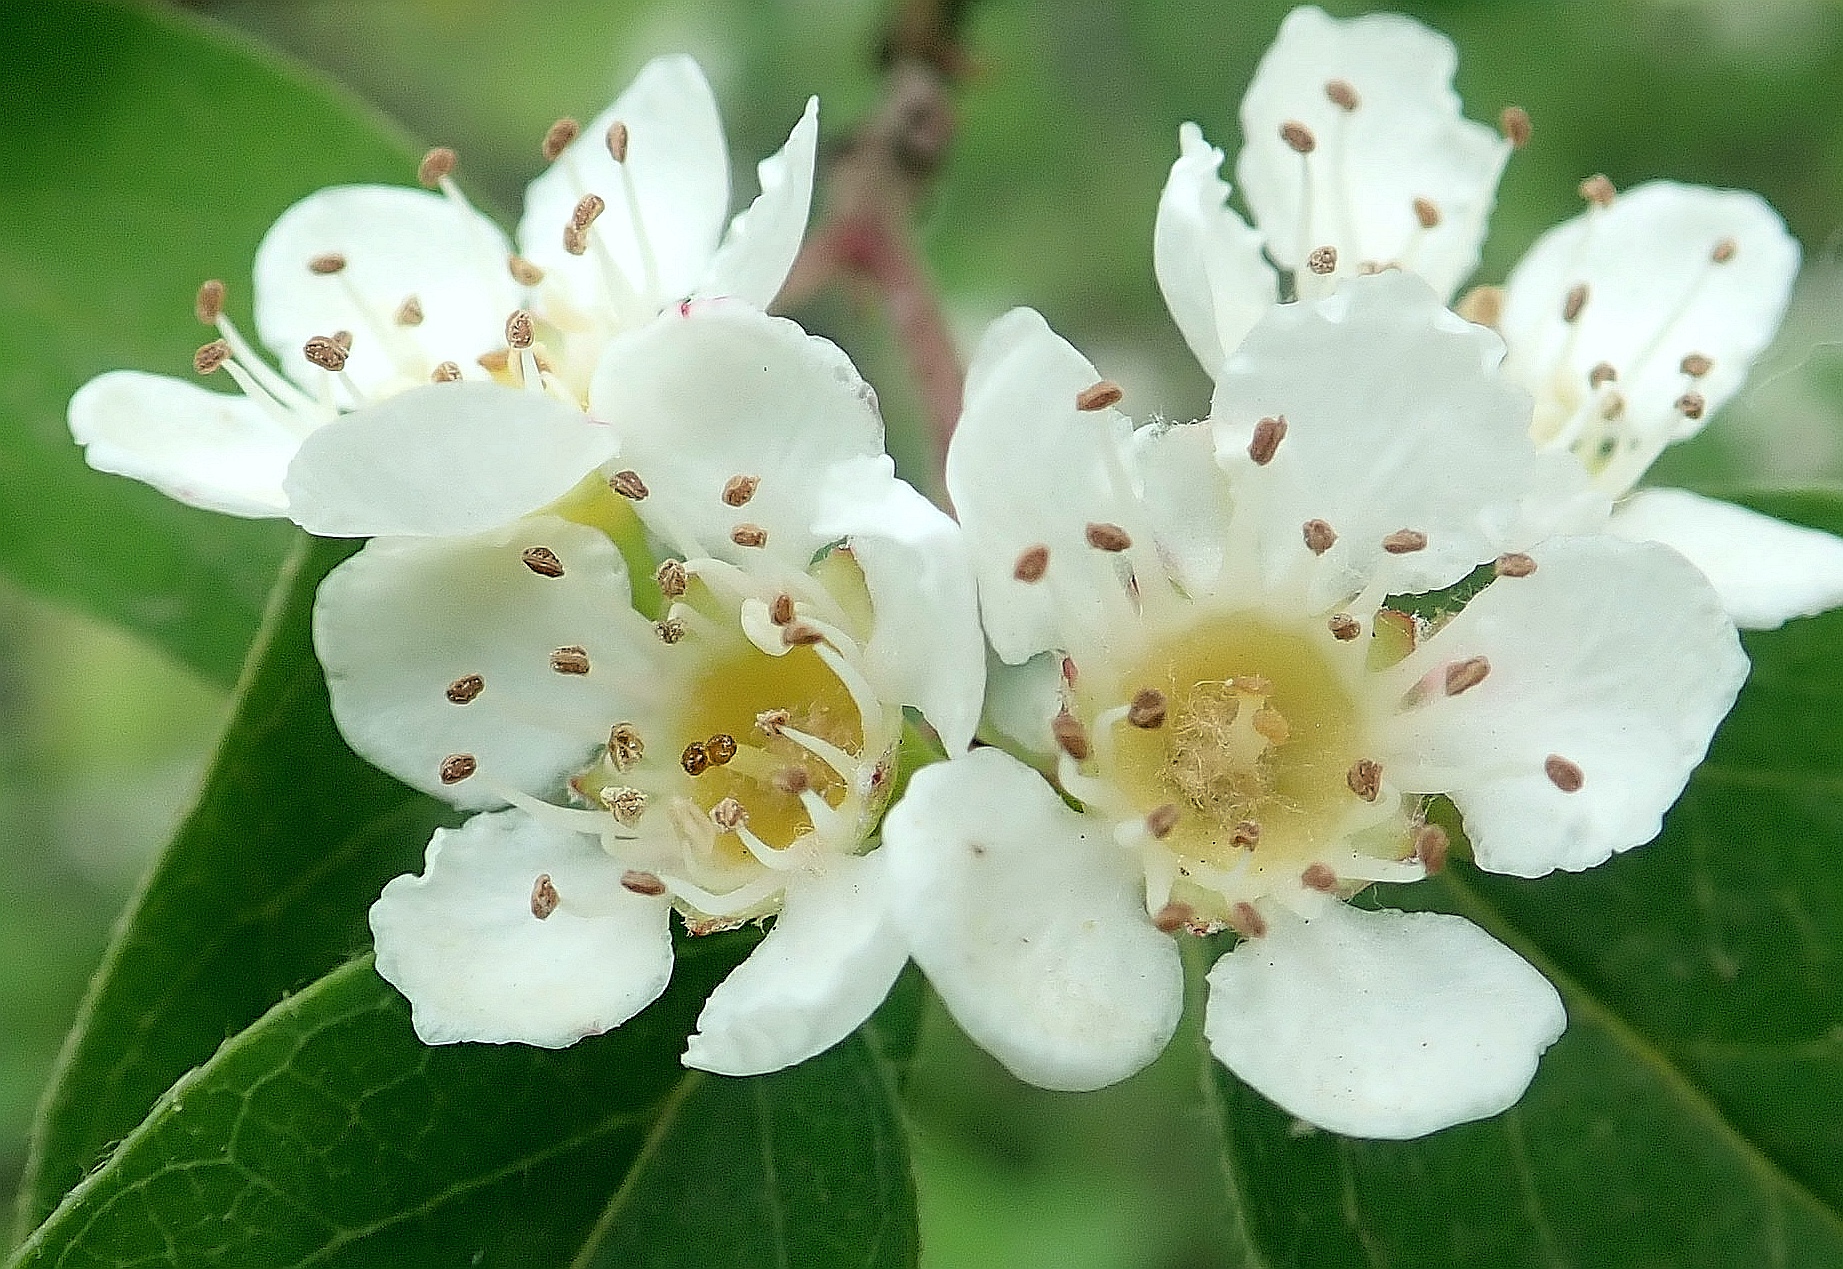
(1019, 704)
(1397, 419)
(1209, 264)
(405, 618)
(679, 168)
(822, 970)
(1031, 924)
(716, 390)
(926, 648)
(1407, 139)
(1654, 296)
(759, 249)
(397, 243)
(1381, 1024)
(1765, 570)
(447, 458)
(207, 449)
(1186, 500)
(462, 943)
(1613, 656)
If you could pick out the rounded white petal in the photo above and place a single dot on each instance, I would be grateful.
(679, 169)
(1019, 704)
(1031, 924)
(1381, 1024)
(716, 389)
(1615, 657)
(446, 458)
(1406, 139)
(1215, 280)
(1186, 499)
(926, 648)
(207, 449)
(463, 944)
(823, 969)
(397, 244)
(753, 259)
(1765, 570)
(407, 618)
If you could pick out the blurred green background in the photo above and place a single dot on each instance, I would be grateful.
(1067, 122)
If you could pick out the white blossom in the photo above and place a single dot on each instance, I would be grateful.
(1248, 735)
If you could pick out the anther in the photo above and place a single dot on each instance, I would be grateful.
(751, 535)
(1430, 846)
(1576, 301)
(1342, 95)
(672, 579)
(770, 721)
(720, 748)
(1147, 710)
(1245, 921)
(1322, 261)
(626, 805)
(1246, 834)
(1271, 725)
(1173, 917)
(628, 484)
(1343, 626)
(409, 313)
(587, 209)
(325, 353)
(520, 329)
(211, 356)
(1513, 122)
(447, 372)
(1463, 675)
(1695, 365)
(543, 561)
(1100, 396)
(327, 264)
(617, 141)
(1071, 736)
(1108, 537)
(1724, 251)
(793, 781)
(1032, 563)
(464, 689)
(1268, 434)
(670, 630)
(1319, 536)
(625, 747)
(558, 136)
(801, 634)
(642, 882)
(208, 306)
(694, 760)
(1513, 564)
(575, 241)
(1319, 877)
(1563, 774)
(1365, 779)
(1602, 374)
(435, 165)
(523, 271)
(737, 490)
(1427, 212)
(1482, 306)
(729, 815)
(1691, 405)
(1298, 136)
(1405, 542)
(1597, 190)
(1161, 820)
(544, 897)
(456, 767)
(570, 660)
(781, 610)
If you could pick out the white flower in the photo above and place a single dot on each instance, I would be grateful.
(366, 292)
(1252, 737)
(727, 754)
(1630, 324)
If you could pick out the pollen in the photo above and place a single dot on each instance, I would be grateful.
(1319, 877)
(617, 141)
(1405, 542)
(587, 210)
(523, 271)
(324, 351)
(1343, 626)
(737, 490)
(1322, 261)
(327, 264)
(570, 660)
(639, 882)
(625, 804)
(465, 689)
(211, 356)
(558, 136)
(1173, 917)
(543, 561)
(1464, 675)
(520, 329)
(1319, 536)
(1574, 302)
(1108, 537)
(1427, 213)
(1514, 123)
(1563, 774)
(1147, 710)
(628, 484)
(1513, 564)
(1070, 735)
(781, 610)
(720, 749)
(409, 313)
(749, 535)
(1246, 921)
(1100, 396)
(1161, 820)
(1724, 251)
(456, 767)
(1365, 779)
(1342, 95)
(625, 747)
(1268, 434)
(1598, 191)
(1298, 137)
(436, 165)
(544, 897)
(1696, 365)
(670, 630)
(1032, 563)
(208, 305)
(694, 759)
(672, 578)
(446, 372)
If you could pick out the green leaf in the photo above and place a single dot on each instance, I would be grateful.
(1690, 1114)
(144, 151)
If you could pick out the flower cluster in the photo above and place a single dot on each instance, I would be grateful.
(644, 594)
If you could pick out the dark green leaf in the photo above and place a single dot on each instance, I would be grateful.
(1690, 1114)
(143, 152)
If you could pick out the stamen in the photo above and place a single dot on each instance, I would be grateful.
(617, 141)
(1691, 405)
(1268, 434)
(409, 313)
(1405, 542)
(1108, 537)
(1246, 833)
(435, 165)
(1514, 123)
(1482, 306)
(544, 897)
(781, 611)
(1319, 536)
(670, 630)
(1427, 212)
(628, 484)
(464, 689)
(720, 749)
(1319, 877)
(801, 634)
(1271, 725)
(770, 721)
(1601, 375)
(575, 241)
(1342, 95)
(446, 372)
(1598, 191)
(1071, 736)
(673, 579)
(1430, 847)
(212, 355)
(830, 754)
(1365, 779)
(1245, 921)
(793, 780)
(694, 760)
(729, 815)
(639, 882)
(1160, 821)
(625, 804)
(1100, 396)
(327, 264)
(1513, 564)
(1696, 365)
(1147, 710)
(523, 271)
(456, 767)
(1322, 261)
(1343, 626)
(208, 305)
(496, 362)
(1298, 136)
(588, 209)
(737, 490)
(1032, 563)
(1173, 917)
(570, 660)
(1563, 774)
(520, 330)
(558, 136)
(750, 535)
(1576, 301)
(625, 747)
(1724, 251)
(543, 561)
(1463, 675)
(325, 352)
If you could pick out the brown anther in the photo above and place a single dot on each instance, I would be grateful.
(1319, 536)
(1724, 251)
(801, 634)
(1602, 374)
(325, 353)
(1695, 365)
(1482, 306)
(1513, 122)
(456, 767)
(1032, 563)
(670, 630)
(1427, 212)
(642, 882)
(464, 689)
(1161, 820)
(1342, 95)
(1405, 542)
(558, 136)
(694, 760)
(523, 271)
(521, 331)
(617, 141)
(587, 209)
(1071, 736)
(781, 609)
(447, 372)
(208, 305)
(1563, 774)
(1268, 434)
(1147, 710)
(1576, 301)
(570, 660)
(625, 747)
(720, 748)
(1365, 779)
(435, 165)
(1599, 191)
(1467, 674)
(1271, 725)
(1513, 564)
(737, 490)
(626, 805)
(1322, 261)
(729, 815)
(1246, 834)
(1430, 847)
(575, 241)
(409, 313)
(1108, 537)
(1252, 684)
(496, 362)
(1691, 405)
(543, 561)
(770, 721)
(1343, 626)
(1247, 922)
(1319, 877)
(544, 897)
(793, 781)
(327, 263)
(1100, 396)
(209, 357)
(1298, 136)
(628, 484)
(1173, 917)
(672, 578)
(751, 535)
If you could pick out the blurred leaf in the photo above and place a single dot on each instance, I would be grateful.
(1689, 1115)
(144, 152)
